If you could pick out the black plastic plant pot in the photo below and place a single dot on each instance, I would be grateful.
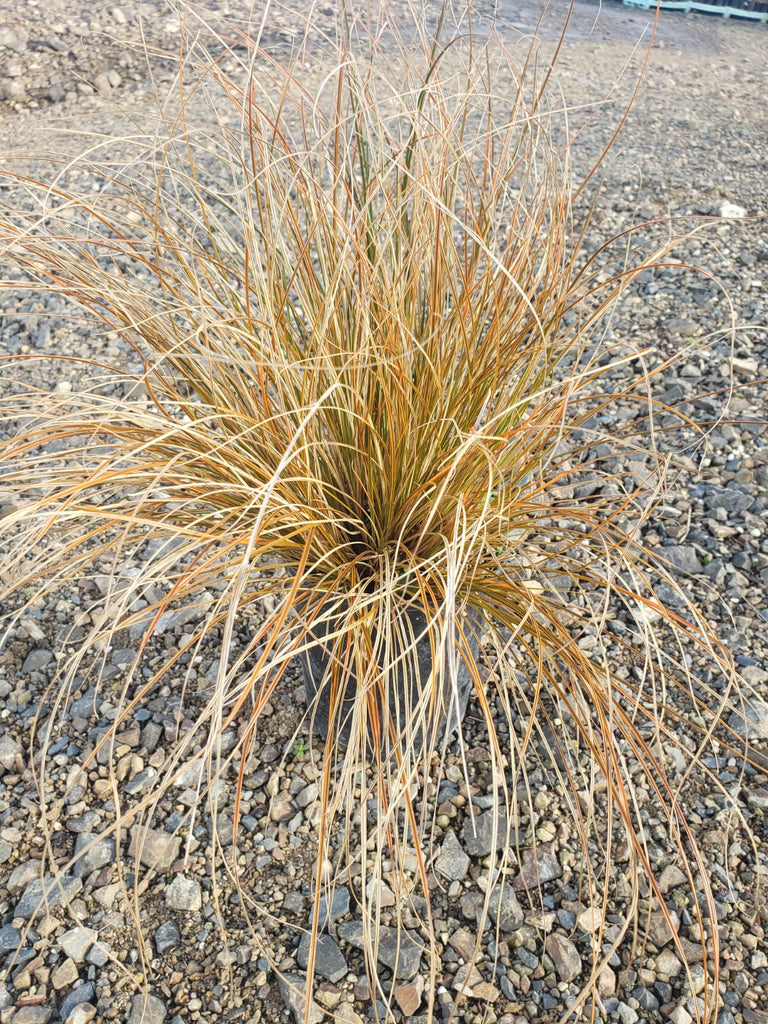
(408, 677)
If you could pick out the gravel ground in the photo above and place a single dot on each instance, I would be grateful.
(695, 146)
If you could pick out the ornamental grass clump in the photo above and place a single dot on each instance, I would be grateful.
(356, 418)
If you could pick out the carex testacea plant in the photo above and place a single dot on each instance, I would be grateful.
(363, 373)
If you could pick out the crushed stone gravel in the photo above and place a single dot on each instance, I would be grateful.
(694, 146)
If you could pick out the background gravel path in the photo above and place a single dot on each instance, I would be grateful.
(694, 145)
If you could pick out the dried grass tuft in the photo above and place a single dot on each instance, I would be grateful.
(372, 353)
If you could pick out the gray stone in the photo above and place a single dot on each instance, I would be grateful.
(10, 939)
(64, 974)
(662, 928)
(33, 1015)
(106, 895)
(295, 903)
(646, 1000)
(13, 90)
(380, 894)
(194, 775)
(670, 878)
(564, 955)
(82, 1013)
(464, 942)
(48, 893)
(527, 958)
(329, 961)
(181, 616)
(124, 657)
(750, 721)
(170, 620)
(6, 851)
(452, 862)
(77, 941)
(680, 1016)
(478, 837)
(507, 988)
(293, 992)
(669, 596)
(147, 1009)
(106, 81)
(36, 660)
(734, 500)
(167, 937)
(626, 1014)
(98, 955)
(505, 909)
(142, 782)
(184, 894)
(465, 979)
(12, 40)
(307, 796)
(731, 211)
(92, 857)
(397, 949)
(85, 706)
(683, 557)
(9, 751)
(282, 807)
(757, 798)
(22, 875)
(589, 920)
(540, 865)
(339, 906)
(668, 964)
(154, 847)
(161, 547)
